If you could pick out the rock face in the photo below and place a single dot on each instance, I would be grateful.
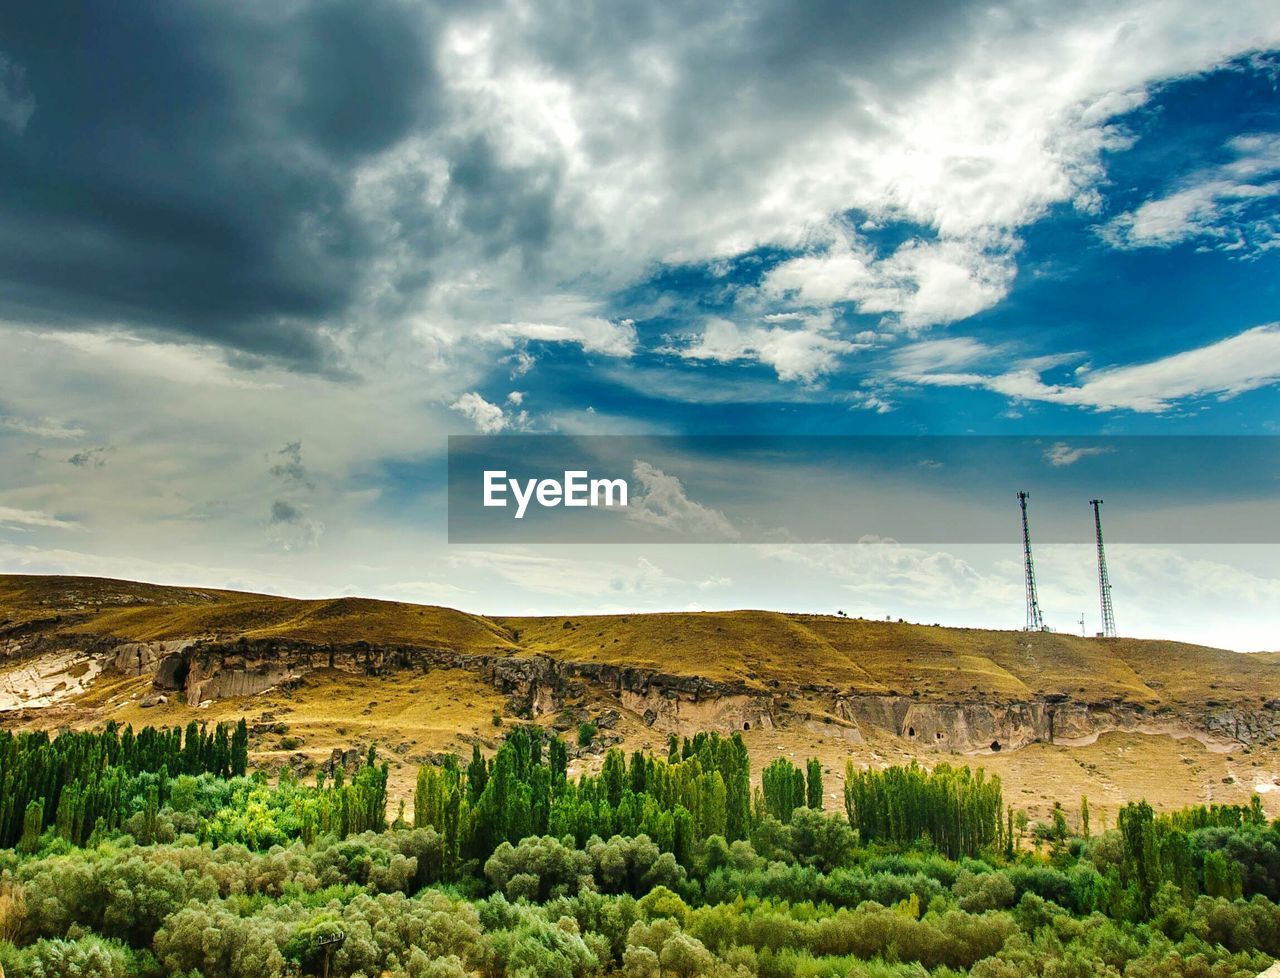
(542, 688)
(143, 658)
(669, 710)
(976, 727)
(47, 679)
(1244, 726)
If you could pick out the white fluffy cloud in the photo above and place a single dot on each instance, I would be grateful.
(1218, 205)
(1201, 594)
(932, 356)
(42, 427)
(609, 141)
(194, 364)
(29, 518)
(181, 459)
(594, 335)
(798, 352)
(1060, 454)
(920, 284)
(489, 418)
(660, 500)
(885, 574)
(1240, 363)
(291, 529)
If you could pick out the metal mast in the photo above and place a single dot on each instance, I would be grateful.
(1104, 582)
(1035, 620)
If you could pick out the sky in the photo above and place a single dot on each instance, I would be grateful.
(258, 261)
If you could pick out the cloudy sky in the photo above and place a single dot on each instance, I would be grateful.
(257, 261)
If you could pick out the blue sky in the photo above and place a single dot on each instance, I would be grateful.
(1080, 290)
(258, 262)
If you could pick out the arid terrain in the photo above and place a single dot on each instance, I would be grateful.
(1056, 716)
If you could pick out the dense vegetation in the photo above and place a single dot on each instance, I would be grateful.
(652, 866)
(84, 782)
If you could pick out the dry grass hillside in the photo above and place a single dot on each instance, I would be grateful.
(790, 658)
(758, 649)
(886, 657)
(150, 612)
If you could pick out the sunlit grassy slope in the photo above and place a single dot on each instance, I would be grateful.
(149, 612)
(757, 648)
(410, 716)
(900, 657)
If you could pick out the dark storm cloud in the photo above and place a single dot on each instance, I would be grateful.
(190, 167)
(283, 511)
(343, 185)
(289, 468)
(90, 458)
(290, 528)
(774, 65)
(186, 166)
(360, 77)
(501, 206)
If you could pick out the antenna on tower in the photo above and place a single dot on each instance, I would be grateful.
(1082, 635)
(1035, 620)
(1104, 582)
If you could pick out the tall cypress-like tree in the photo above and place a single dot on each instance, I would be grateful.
(559, 757)
(784, 790)
(477, 775)
(240, 749)
(813, 785)
(32, 824)
(737, 770)
(958, 810)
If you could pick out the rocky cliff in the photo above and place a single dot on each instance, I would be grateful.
(940, 689)
(540, 686)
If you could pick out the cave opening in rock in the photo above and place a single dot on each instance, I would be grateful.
(172, 673)
(911, 731)
(938, 735)
(746, 725)
(995, 745)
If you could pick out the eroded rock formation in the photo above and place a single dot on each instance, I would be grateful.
(546, 688)
(540, 686)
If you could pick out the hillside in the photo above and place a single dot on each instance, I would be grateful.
(753, 648)
(757, 647)
(1087, 714)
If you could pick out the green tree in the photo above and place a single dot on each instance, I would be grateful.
(477, 775)
(1222, 876)
(813, 784)
(784, 789)
(32, 824)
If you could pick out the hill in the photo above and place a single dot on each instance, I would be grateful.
(320, 675)
(753, 648)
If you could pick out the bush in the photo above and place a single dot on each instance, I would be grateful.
(538, 869)
(821, 839)
(632, 865)
(987, 891)
(86, 957)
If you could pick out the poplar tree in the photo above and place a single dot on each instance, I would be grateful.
(813, 786)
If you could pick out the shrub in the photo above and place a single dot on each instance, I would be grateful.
(986, 891)
(538, 869)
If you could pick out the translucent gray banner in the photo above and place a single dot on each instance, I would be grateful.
(676, 489)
